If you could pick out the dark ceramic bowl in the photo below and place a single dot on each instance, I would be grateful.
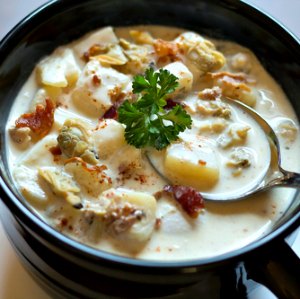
(67, 269)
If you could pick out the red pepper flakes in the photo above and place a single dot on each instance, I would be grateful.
(40, 122)
(157, 223)
(190, 200)
(96, 80)
(202, 163)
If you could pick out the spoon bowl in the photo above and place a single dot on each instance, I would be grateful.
(271, 176)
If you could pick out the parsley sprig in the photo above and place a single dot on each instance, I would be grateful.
(147, 122)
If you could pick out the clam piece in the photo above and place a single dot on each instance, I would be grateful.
(202, 55)
(61, 184)
(74, 140)
(130, 216)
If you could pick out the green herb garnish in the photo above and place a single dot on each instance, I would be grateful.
(147, 122)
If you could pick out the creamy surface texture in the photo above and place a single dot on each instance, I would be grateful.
(82, 178)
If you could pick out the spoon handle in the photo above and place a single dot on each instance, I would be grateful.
(289, 179)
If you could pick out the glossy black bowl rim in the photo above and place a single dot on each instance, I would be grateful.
(38, 226)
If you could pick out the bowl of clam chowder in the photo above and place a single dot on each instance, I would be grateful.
(116, 128)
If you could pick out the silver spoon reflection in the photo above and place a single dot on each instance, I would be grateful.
(272, 176)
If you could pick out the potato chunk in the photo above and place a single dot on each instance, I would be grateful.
(109, 143)
(103, 36)
(108, 138)
(130, 216)
(29, 184)
(92, 94)
(185, 77)
(60, 69)
(192, 164)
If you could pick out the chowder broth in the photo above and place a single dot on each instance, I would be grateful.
(83, 179)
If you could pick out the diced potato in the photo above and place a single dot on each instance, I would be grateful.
(39, 154)
(59, 70)
(94, 96)
(29, 185)
(108, 138)
(130, 216)
(192, 164)
(109, 143)
(103, 36)
(185, 77)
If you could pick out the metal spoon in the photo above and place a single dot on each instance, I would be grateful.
(273, 176)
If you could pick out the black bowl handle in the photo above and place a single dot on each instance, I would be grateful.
(278, 268)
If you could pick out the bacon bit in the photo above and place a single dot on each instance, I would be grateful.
(96, 80)
(170, 104)
(40, 122)
(210, 94)
(55, 150)
(64, 222)
(190, 200)
(111, 113)
(165, 48)
(202, 163)
(157, 249)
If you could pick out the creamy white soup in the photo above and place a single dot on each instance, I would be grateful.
(73, 163)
